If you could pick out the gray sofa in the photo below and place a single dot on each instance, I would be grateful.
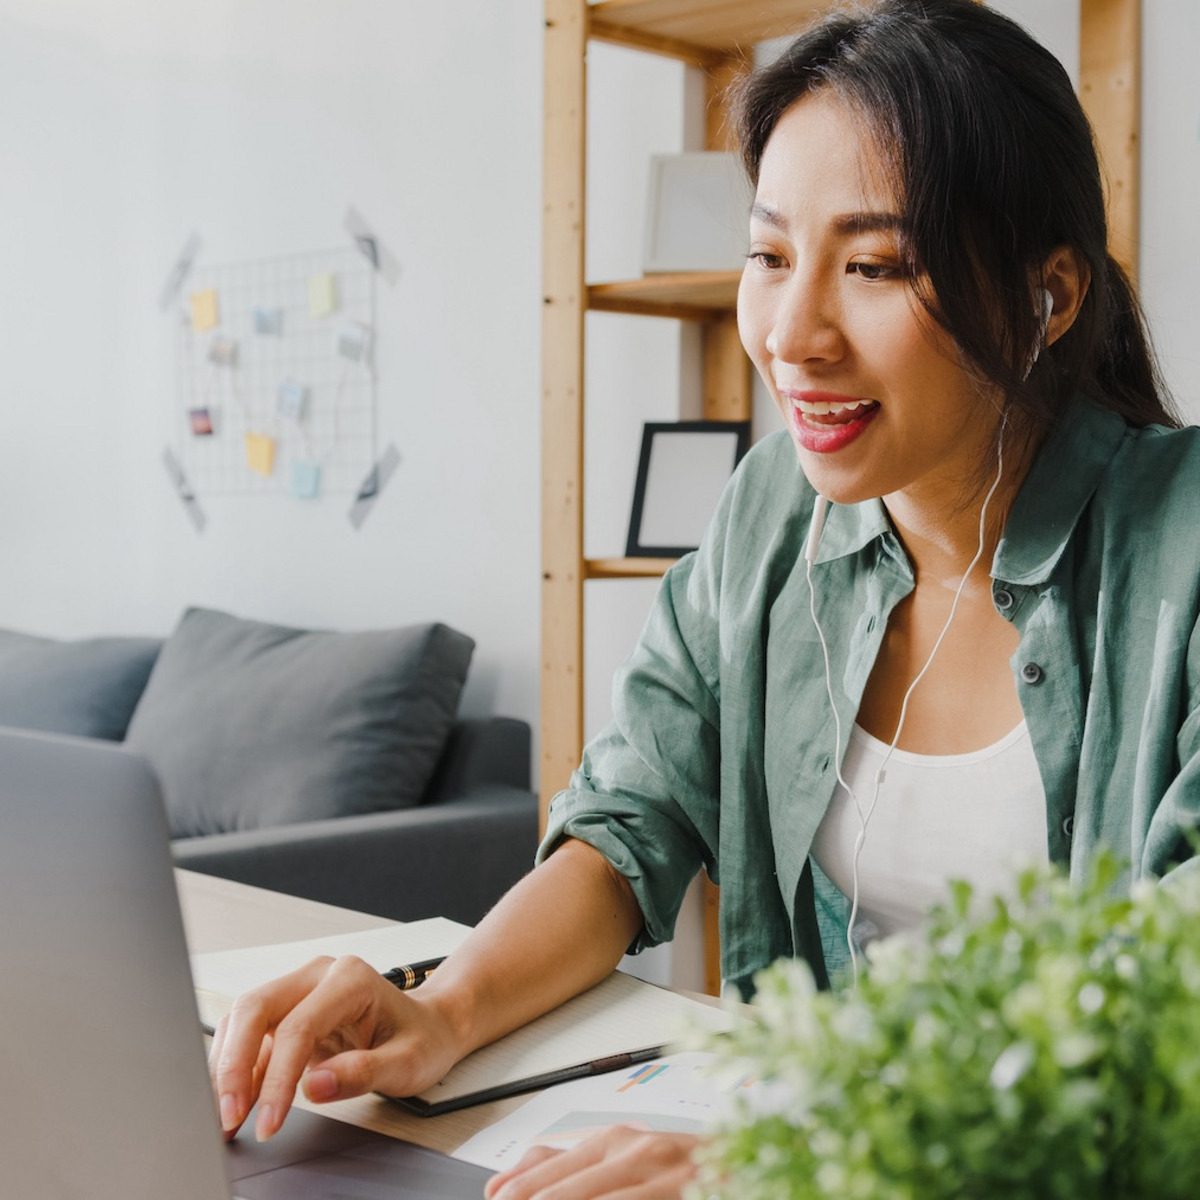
(327, 765)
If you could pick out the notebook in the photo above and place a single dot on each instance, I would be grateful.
(106, 1092)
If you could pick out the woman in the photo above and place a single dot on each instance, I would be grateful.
(984, 653)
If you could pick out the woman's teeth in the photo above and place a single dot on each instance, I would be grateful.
(838, 410)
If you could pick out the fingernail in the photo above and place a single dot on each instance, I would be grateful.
(229, 1111)
(265, 1125)
(321, 1085)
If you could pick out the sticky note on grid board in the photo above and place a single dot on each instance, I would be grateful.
(204, 309)
(260, 453)
(354, 342)
(268, 322)
(306, 480)
(322, 294)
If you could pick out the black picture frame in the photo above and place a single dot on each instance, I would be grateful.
(677, 488)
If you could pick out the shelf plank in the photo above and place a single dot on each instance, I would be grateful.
(698, 31)
(626, 568)
(687, 296)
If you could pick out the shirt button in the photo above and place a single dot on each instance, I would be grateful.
(1068, 826)
(1003, 598)
(1031, 672)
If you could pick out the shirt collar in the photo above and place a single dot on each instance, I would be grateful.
(1064, 476)
(1062, 479)
(850, 527)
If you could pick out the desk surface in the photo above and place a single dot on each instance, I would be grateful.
(221, 915)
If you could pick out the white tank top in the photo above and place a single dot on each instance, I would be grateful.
(978, 816)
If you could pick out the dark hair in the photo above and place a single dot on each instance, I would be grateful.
(994, 166)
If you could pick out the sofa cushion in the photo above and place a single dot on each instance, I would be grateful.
(87, 688)
(250, 725)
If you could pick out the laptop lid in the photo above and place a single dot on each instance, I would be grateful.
(106, 1090)
(105, 1087)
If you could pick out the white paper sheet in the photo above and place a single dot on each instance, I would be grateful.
(674, 1094)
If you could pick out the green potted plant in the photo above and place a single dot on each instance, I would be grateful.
(1046, 1047)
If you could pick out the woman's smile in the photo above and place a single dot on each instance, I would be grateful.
(825, 421)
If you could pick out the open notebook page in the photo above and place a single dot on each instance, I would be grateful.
(221, 975)
(620, 1015)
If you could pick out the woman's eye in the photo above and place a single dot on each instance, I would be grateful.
(767, 260)
(872, 270)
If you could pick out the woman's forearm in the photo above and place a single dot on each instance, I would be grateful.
(561, 929)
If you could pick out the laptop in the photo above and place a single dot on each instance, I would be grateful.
(105, 1086)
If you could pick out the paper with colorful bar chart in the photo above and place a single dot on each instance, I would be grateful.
(679, 1093)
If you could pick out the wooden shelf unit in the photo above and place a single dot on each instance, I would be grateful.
(716, 36)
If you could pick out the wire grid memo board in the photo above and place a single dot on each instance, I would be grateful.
(275, 388)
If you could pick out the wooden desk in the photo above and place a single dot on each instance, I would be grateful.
(221, 915)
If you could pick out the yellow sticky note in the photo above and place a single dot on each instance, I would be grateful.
(322, 294)
(260, 453)
(204, 309)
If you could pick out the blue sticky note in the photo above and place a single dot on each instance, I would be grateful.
(306, 480)
(269, 321)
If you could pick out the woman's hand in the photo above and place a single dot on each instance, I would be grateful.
(340, 1026)
(630, 1162)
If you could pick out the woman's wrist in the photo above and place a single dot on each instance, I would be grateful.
(451, 999)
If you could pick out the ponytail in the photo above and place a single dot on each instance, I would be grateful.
(1125, 377)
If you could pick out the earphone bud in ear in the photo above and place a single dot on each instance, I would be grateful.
(1047, 308)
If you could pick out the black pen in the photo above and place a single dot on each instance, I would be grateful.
(413, 975)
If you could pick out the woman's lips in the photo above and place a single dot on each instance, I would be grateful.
(826, 421)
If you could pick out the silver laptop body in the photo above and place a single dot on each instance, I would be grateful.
(104, 1091)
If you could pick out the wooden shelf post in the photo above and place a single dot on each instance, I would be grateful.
(564, 300)
(1110, 88)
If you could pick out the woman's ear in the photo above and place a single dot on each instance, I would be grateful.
(1066, 277)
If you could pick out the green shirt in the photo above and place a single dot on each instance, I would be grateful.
(720, 752)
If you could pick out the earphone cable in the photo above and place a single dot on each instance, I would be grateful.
(864, 818)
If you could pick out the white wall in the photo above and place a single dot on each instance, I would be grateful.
(126, 125)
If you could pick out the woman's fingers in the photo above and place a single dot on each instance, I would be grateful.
(348, 1007)
(237, 1062)
(619, 1162)
(531, 1158)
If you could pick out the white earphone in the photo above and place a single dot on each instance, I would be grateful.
(1047, 308)
(1047, 303)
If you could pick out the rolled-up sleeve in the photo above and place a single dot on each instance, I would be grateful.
(646, 793)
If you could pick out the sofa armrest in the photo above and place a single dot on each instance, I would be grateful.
(454, 859)
(480, 751)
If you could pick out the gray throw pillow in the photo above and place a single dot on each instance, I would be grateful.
(250, 725)
(86, 688)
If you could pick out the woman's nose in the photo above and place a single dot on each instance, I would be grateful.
(805, 324)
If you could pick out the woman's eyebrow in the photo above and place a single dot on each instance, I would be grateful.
(868, 222)
(767, 215)
(847, 223)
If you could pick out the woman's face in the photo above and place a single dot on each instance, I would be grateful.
(871, 389)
